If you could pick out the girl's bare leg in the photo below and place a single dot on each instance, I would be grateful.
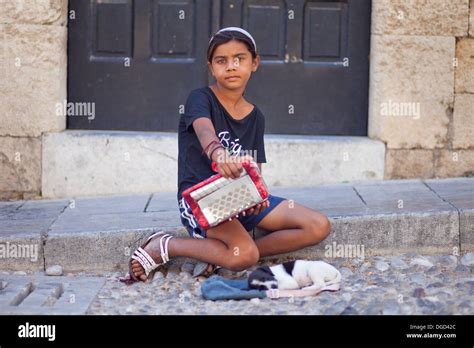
(293, 227)
(228, 245)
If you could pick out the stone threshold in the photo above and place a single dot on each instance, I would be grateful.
(84, 163)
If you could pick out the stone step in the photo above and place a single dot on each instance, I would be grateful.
(81, 163)
(376, 218)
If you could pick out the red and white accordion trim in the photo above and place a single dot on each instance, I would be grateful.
(216, 199)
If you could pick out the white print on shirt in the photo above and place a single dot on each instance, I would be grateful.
(233, 146)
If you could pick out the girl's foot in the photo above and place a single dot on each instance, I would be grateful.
(155, 250)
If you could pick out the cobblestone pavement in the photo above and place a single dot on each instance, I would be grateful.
(405, 284)
(40, 294)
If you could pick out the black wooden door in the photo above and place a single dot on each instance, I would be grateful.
(138, 60)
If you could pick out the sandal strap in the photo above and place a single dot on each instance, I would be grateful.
(164, 247)
(147, 256)
(153, 236)
(142, 259)
(145, 260)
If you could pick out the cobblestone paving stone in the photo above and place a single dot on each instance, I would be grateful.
(26, 293)
(405, 284)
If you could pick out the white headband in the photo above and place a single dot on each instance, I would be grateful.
(240, 30)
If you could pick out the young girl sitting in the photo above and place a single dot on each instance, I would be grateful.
(220, 125)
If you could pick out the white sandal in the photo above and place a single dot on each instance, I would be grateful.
(145, 260)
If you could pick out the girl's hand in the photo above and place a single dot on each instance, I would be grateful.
(230, 167)
(255, 210)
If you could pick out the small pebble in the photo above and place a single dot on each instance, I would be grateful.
(432, 270)
(448, 260)
(436, 285)
(364, 267)
(187, 267)
(346, 296)
(398, 263)
(158, 277)
(461, 268)
(345, 272)
(184, 275)
(349, 311)
(255, 301)
(356, 261)
(382, 266)
(174, 267)
(417, 277)
(419, 292)
(468, 259)
(391, 307)
(421, 262)
(55, 270)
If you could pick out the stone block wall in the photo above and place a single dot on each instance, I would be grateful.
(421, 97)
(33, 71)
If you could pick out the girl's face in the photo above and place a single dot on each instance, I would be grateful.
(232, 65)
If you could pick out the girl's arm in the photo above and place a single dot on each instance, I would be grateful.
(206, 133)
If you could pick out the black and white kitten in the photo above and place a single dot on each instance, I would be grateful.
(299, 274)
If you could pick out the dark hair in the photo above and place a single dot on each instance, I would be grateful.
(226, 36)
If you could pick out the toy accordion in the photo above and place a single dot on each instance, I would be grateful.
(216, 199)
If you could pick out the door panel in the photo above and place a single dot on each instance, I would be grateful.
(313, 78)
(139, 59)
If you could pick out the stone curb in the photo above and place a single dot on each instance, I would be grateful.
(102, 232)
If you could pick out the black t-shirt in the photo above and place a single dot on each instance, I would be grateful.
(240, 137)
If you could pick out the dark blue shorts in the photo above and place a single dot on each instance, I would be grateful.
(249, 221)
